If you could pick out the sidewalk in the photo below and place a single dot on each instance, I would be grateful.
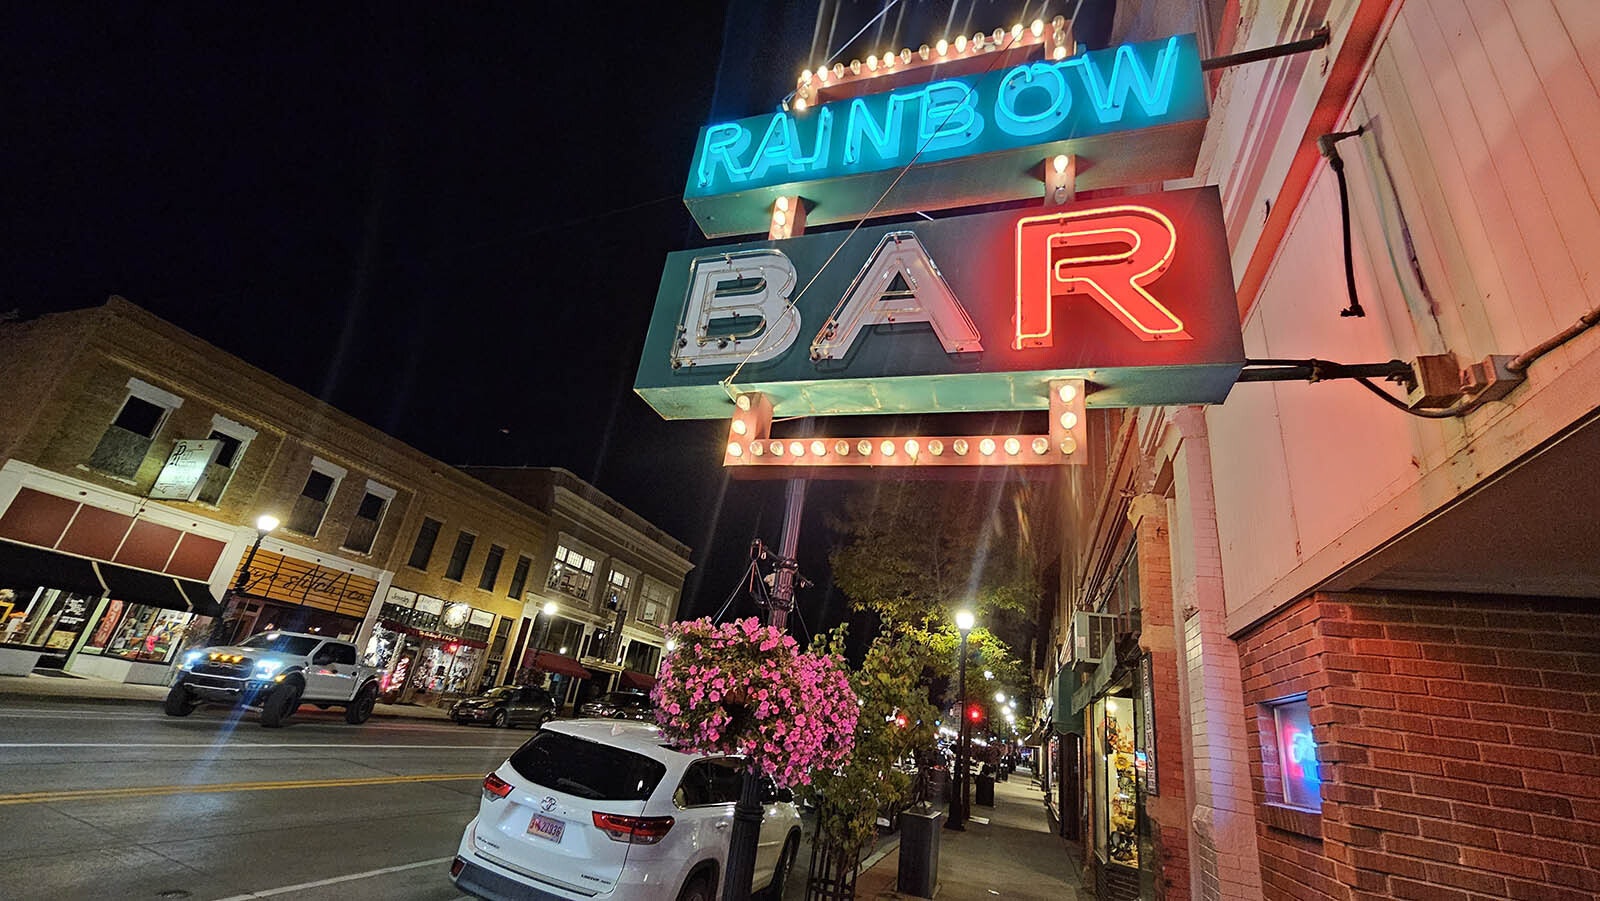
(70, 689)
(1012, 855)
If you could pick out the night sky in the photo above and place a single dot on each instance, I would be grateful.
(447, 220)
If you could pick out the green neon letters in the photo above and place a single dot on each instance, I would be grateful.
(1130, 87)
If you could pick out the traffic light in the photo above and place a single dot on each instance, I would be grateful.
(975, 713)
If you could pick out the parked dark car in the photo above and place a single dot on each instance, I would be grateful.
(508, 705)
(620, 705)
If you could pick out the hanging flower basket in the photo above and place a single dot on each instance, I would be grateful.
(744, 688)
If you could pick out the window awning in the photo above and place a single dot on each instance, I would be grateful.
(26, 564)
(140, 586)
(633, 679)
(555, 663)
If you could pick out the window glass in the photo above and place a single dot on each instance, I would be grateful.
(519, 577)
(364, 528)
(617, 589)
(491, 567)
(427, 536)
(277, 642)
(1297, 755)
(43, 617)
(139, 416)
(458, 557)
(312, 504)
(571, 572)
(339, 653)
(727, 778)
(221, 469)
(587, 769)
(148, 633)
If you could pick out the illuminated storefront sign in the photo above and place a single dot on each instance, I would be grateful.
(957, 141)
(184, 470)
(1134, 296)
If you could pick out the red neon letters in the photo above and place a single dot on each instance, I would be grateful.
(1111, 254)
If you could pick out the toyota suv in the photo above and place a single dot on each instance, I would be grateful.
(607, 808)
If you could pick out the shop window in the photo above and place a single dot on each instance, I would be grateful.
(1298, 781)
(502, 633)
(369, 517)
(235, 438)
(519, 577)
(1116, 783)
(571, 572)
(458, 556)
(618, 584)
(46, 618)
(148, 634)
(427, 537)
(126, 441)
(322, 482)
(491, 567)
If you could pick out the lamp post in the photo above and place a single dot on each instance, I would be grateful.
(264, 526)
(958, 786)
(547, 613)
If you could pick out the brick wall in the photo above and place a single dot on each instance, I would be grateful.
(1459, 740)
(1168, 812)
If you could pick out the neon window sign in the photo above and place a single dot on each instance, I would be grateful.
(1297, 755)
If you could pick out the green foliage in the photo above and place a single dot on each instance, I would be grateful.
(895, 723)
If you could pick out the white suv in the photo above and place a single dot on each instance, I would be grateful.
(604, 808)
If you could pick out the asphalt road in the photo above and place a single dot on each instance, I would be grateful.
(116, 800)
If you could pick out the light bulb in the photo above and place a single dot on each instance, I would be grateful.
(912, 448)
(936, 447)
(1041, 445)
(1069, 445)
(799, 104)
(942, 46)
(960, 446)
(1069, 420)
(887, 447)
(739, 428)
(735, 450)
(841, 447)
(986, 446)
(743, 402)
(797, 448)
(757, 449)
(777, 448)
(1012, 446)
(1067, 393)
(864, 447)
(1060, 164)
(818, 448)
(1037, 28)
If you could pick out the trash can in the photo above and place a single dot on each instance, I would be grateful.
(984, 789)
(938, 784)
(919, 851)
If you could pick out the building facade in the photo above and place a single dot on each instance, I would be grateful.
(1313, 644)
(135, 461)
(603, 587)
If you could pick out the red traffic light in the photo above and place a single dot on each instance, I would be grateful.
(975, 713)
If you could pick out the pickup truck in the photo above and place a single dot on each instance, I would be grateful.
(276, 671)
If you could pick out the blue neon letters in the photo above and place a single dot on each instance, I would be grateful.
(1130, 87)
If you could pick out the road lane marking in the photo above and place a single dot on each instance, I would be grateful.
(251, 745)
(268, 893)
(151, 791)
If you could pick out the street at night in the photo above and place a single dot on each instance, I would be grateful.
(115, 800)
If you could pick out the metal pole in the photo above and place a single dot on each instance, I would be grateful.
(958, 784)
(747, 813)
(218, 633)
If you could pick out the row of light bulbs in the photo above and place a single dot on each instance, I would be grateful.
(910, 447)
(941, 51)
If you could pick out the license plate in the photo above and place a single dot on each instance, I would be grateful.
(546, 827)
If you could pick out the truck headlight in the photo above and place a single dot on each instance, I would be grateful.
(191, 658)
(266, 668)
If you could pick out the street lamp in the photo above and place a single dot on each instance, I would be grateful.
(549, 611)
(264, 526)
(958, 793)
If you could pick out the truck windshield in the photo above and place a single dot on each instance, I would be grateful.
(277, 642)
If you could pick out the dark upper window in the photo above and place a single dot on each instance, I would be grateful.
(312, 504)
(423, 549)
(220, 472)
(126, 441)
(519, 577)
(364, 528)
(458, 557)
(491, 567)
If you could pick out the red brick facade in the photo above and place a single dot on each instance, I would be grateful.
(1459, 741)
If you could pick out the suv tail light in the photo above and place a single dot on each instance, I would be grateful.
(633, 830)
(495, 788)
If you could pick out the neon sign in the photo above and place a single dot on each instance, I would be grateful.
(1135, 296)
(1036, 110)
(1297, 755)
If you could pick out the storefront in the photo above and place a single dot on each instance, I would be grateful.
(311, 593)
(558, 674)
(429, 648)
(60, 611)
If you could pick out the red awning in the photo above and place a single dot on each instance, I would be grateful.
(555, 663)
(641, 681)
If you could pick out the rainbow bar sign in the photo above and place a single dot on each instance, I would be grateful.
(984, 134)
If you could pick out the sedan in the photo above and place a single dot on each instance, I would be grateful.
(620, 705)
(508, 705)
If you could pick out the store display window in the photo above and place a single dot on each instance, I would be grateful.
(48, 618)
(1116, 782)
(148, 634)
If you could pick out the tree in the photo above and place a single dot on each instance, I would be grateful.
(896, 723)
